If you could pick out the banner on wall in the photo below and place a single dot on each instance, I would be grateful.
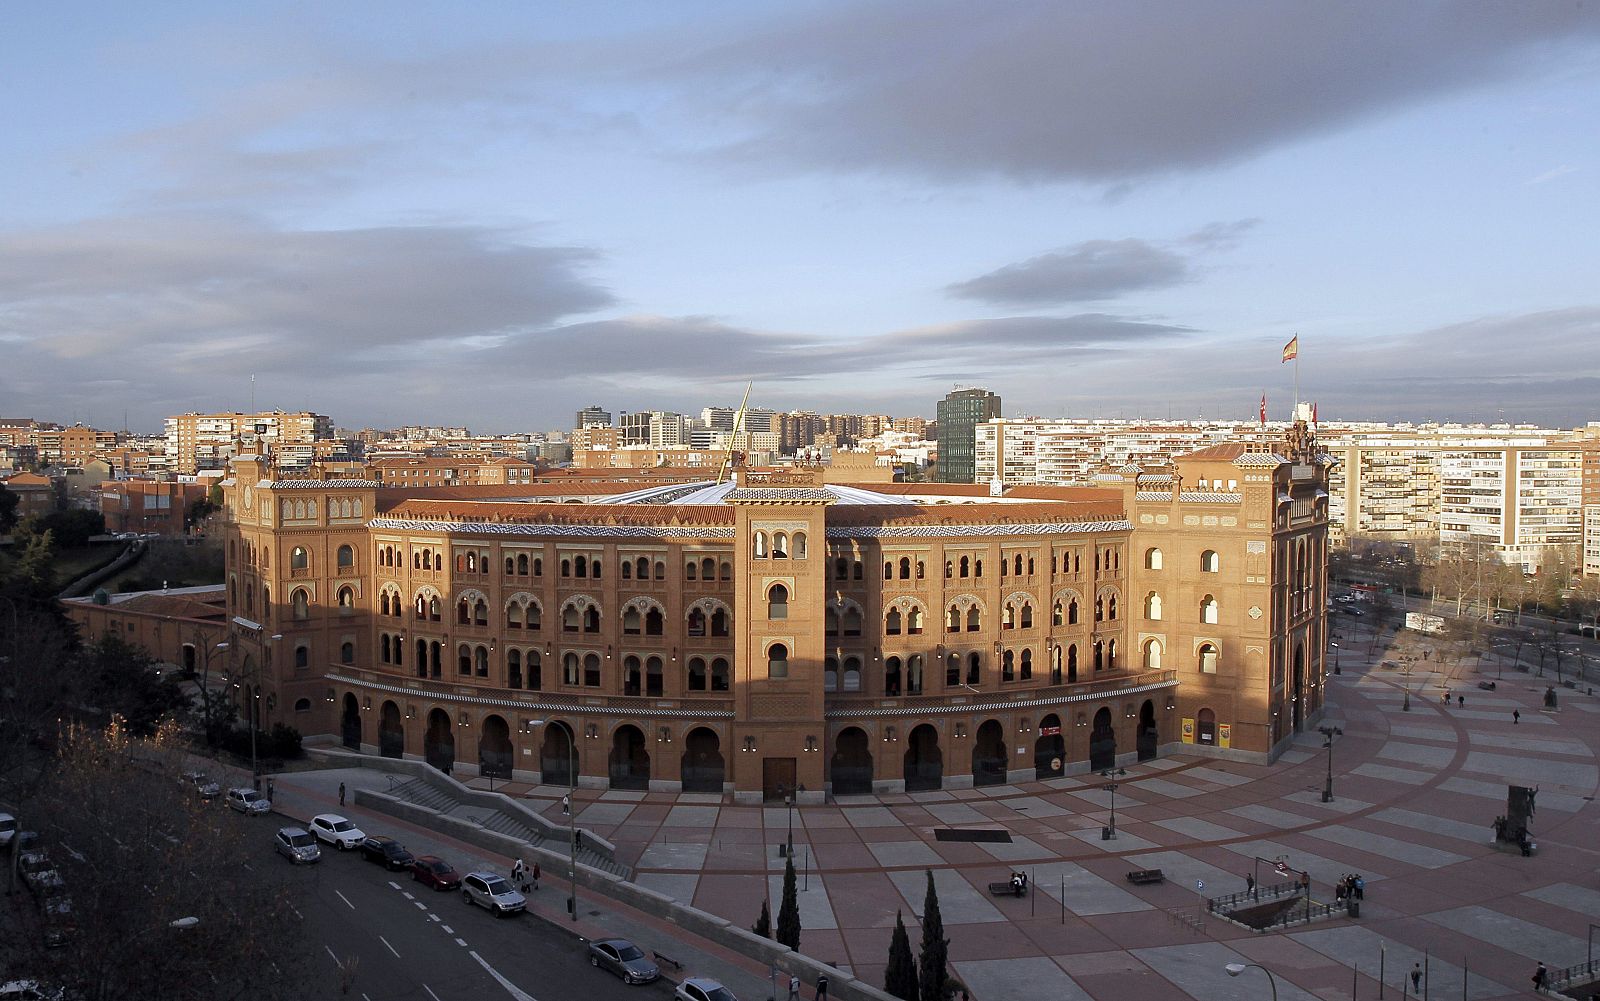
(1188, 729)
(1224, 734)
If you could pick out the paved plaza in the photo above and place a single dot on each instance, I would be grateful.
(1416, 792)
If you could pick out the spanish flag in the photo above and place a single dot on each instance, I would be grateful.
(1292, 349)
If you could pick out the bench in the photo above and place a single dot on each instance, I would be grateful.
(664, 960)
(1008, 889)
(1140, 877)
(1487, 686)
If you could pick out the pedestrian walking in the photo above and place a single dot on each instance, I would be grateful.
(1461, 701)
(1250, 883)
(271, 790)
(1516, 716)
(1541, 978)
(1360, 887)
(1416, 978)
(535, 874)
(822, 987)
(794, 988)
(341, 794)
(1339, 889)
(519, 876)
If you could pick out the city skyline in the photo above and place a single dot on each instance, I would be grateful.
(494, 218)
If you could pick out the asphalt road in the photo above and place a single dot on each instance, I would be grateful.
(396, 940)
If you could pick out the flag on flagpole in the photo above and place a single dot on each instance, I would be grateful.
(1292, 349)
(1313, 413)
(1263, 408)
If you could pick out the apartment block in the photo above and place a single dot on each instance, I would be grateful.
(207, 441)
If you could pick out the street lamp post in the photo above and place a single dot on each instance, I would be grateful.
(1335, 658)
(570, 808)
(252, 704)
(1110, 831)
(1234, 969)
(1329, 732)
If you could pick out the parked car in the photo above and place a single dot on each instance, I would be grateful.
(431, 870)
(623, 958)
(8, 829)
(248, 801)
(55, 907)
(493, 891)
(702, 989)
(388, 851)
(337, 831)
(202, 784)
(296, 845)
(29, 990)
(38, 872)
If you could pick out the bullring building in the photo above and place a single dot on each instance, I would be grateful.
(777, 632)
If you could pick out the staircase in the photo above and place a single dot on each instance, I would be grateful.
(425, 794)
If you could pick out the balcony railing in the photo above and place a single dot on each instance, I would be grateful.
(855, 704)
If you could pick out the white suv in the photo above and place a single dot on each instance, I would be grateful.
(8, 830)
(337, 831)
(492, 891)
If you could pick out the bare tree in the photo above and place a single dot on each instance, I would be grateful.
(160, 904)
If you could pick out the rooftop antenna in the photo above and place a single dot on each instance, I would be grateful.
(733, 438)
(252, 392)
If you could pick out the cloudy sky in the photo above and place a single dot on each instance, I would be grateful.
(493, 214)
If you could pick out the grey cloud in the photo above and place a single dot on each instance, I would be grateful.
(1220, 235)
(1097, 91)
(1094, 269)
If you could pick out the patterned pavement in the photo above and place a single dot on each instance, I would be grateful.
(1416, 793)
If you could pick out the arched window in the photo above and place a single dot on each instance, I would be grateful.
(569, 619)
(652, 622)
(1152, 655)
(852, 621)
(538, 566)
(852, 674)
(1152, 605)
(513, 668)
(464, 659)
(719, 675)
(642, 568)
(1100, 608)
(841, 569)
(1027, 664)
(1025, 617)
(1111, 608)
(708, 569)
(1008, 665)
(463, 612)
(1152, 559)
(830, 674)
(891, 623)
(346, 557)
(569, 669)
(856, 570)
(661, 570)
(1210, 562)
(972, 619)
(591, 670)
(690, 570)
(905, 568)
(697, 622)
(480, 612)
(1208, 659)
(799, 545)
(300, 602)
(632, 621)
(922, 570)
(780, 546)
(522, 565)
(1008, 616)
(1017, 565)
(1058, 614)
(914, 622)
(299, 559)
(347, 653)
(697, 674)
(1208, 610)
(830, 622)
(302, 657)
(888, 570)
(891, 676)
(758, 548)
(778, 602)
(726, 570)
(719, 623)
(535, 615)
(580, 566)
(952, 619)
(302, 705)
(627, 570)
(591, 620)
(966, 566)
(777, 661)
(347, 599)
(383, 648)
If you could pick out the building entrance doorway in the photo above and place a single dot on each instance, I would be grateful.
(1050, 750)
(1102, 742)
(777, 779)
(924, 763)
(850, 771)
(989, 755)
(1149, 735)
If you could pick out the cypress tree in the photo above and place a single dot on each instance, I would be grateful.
(764, 922)
(789, 909)
(900, 978)
(935, 947)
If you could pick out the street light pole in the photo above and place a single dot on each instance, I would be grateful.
(1110, 831)
(1329, 732)
(1234, 969)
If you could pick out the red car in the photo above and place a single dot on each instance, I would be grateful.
(435, 872)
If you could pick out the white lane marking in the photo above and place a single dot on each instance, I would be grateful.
(393, 885)
(346, 900)
(407, 895)
(461, 942)
(430, 992)
(386, 945)
(420, 905)
(517, 993)
(297, 914)
(433, 917)
(333, 957)
(447, 929)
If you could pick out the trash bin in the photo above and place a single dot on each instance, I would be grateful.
(1105, 833)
